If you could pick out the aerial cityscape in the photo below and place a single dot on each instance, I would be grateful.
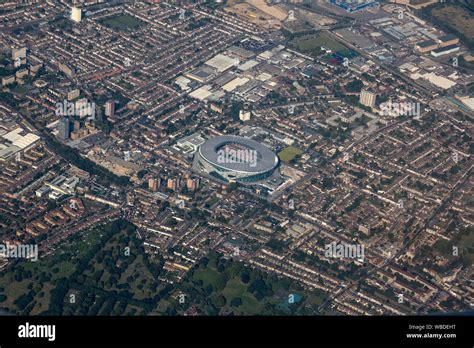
(224, 157)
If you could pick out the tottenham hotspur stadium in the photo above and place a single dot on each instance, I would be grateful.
(232, 158)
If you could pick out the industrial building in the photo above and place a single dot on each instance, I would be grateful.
(15, 141)
(444, 50)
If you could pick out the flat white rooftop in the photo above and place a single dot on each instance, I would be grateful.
(222, 62)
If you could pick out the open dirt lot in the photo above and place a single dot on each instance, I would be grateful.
(274, 11)
(249, 12)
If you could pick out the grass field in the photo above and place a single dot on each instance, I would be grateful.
(122, 22)
(26, 287)
(466, 245)
(20, 90)
(209, 276)
(464, 241)
(236, 289)
(289, 153)
(213, 200)
(418, 2)
(311, 44)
